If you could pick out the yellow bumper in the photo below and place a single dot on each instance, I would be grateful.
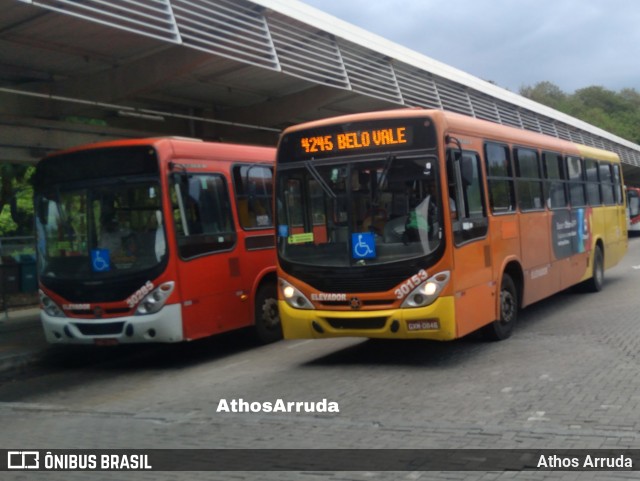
(387, 324)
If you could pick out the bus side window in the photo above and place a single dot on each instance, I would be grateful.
(529, 179)
(617, 181)
(593, 182)
(607, 184)
(202, 214)
(500, 178)
(254, 190)
(575, 176)
(555, 180)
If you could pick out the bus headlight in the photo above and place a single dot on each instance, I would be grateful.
(155, 300)
(49, 306)
(293, 296)
(428, 291)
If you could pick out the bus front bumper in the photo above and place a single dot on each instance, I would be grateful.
(436, 321)
(162, 326)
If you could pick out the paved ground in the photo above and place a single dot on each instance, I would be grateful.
(22, 341)
(566, 379)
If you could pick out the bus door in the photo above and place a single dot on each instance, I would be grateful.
(475, 302)
(253, 187)
(540, 279)
(209, 270)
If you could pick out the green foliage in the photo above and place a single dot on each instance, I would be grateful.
(545, 93)
(16, 191)
(615, 112)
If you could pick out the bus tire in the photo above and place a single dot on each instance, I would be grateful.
(503, 327)
(597, 279)
(267, 326)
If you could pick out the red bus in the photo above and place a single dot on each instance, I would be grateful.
(156, 240)
(633, 208)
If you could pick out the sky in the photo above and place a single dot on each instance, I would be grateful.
(513, 43)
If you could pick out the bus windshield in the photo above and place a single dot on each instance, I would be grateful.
(378, 210)
(100, 231)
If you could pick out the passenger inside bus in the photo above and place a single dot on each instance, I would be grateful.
(253, 209)
(369, 210)
(414, 210)
(422, 218)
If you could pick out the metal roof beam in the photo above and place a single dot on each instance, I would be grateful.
(281, 110)
(134, 78)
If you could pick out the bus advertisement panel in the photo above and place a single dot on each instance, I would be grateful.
(426, 224)
(156, 240)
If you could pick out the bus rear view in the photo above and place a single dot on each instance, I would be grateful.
(149, 241)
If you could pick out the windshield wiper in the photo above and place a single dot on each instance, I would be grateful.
(318, 178)
(383, 176)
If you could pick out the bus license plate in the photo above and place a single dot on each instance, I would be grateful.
(425, 325)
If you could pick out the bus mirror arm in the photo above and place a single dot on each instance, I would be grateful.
(458, 165)
(179, 173)
(375, 202)
(180, 180)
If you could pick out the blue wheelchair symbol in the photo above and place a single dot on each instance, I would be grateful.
(363, 245)
(283, 230)
(100, 260)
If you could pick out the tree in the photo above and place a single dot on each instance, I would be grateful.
(615, 112)
(546, 93)
(16, 199)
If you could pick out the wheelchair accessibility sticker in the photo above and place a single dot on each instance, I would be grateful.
(363, 245)
(100, 260)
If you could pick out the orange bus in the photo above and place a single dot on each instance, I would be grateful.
(156, 240)
(432, 225)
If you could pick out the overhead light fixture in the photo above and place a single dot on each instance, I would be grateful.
(126, 111)
(140, 115)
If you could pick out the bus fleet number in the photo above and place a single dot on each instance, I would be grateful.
(410, 284)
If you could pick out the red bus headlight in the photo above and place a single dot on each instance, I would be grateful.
(155, 300)
(49, 306)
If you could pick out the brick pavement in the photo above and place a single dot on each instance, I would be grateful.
(566, 379)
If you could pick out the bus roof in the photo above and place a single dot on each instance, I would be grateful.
(184, 147)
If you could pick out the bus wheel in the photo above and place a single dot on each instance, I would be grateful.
(503, 327)
(597, 280)
(267, 320)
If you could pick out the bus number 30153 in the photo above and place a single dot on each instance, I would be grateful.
(411, 284)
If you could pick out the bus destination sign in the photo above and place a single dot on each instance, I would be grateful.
(357, 138)
(353, 141)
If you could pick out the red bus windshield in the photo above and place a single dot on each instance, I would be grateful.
(101, 231)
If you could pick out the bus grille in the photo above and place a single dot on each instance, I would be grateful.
(347, 283)
(365, 323)
(102, 329)
(371, 303)
(111, 310)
